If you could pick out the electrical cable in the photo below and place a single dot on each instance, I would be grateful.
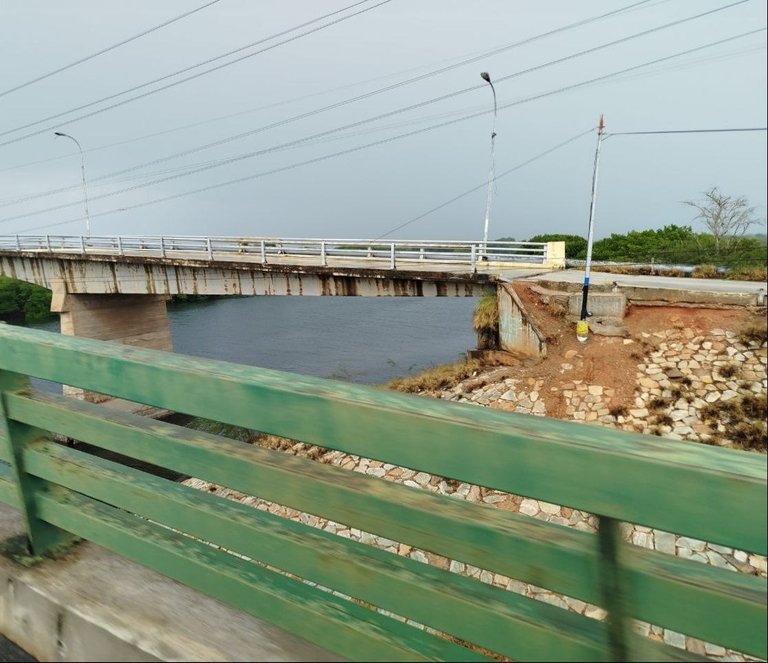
(188, 78)
(684, 131)
(365, 146)
(384, 115)
(107, 50)
(633, 7)
(485, 184)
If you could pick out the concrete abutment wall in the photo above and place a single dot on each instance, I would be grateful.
(517, 332)
(140, 320)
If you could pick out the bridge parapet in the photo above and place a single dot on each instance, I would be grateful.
(324, 252)
(280, 570)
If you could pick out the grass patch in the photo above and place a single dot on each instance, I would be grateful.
(755, 407)
(748, 274)
(617, 411)
(485, 321)
(437, 378)
(728, 371)
(749, 435)
(664, 420)
(744, 420)
(706, 272)
(754, 333)
(659, 403)
(557, 309)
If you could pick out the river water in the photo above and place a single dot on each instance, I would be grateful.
(368, 340)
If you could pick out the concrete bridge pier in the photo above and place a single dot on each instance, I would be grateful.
(140, 320)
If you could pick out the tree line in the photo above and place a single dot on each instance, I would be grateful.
(672, 244)
(21, 301)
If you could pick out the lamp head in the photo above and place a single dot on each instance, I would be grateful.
(485, 76)
(58, 133)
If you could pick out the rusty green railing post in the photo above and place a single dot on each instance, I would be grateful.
(42, 537)
(613, 589)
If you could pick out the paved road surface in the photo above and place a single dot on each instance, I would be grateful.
(10, 652)
(670, 282)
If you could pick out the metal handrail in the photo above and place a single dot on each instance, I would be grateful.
(223, 247)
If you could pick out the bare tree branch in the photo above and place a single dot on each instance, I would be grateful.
(727, 218)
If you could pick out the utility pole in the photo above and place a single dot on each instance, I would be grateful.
(582, 326)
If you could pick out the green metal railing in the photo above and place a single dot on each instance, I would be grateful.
(711, 494)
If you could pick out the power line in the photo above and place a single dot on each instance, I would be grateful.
(228, 116)
(684, 131)
(484, 184)
(385, 89)
(542, 95)
(632, 7)
(193, 76)
(106, 50)
(473, 59)
(672, 67)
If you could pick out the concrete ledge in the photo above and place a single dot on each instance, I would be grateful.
(92, 605)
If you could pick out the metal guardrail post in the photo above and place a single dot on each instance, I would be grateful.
(18, 243)
(209, 246)
(120, 245)
(82, 245)
(162, 247)
(473, 257)
(613, 589)
(263, 252)
(421, 253)
(392, 256)
(322, 253)
(48, 243)
(42, 537)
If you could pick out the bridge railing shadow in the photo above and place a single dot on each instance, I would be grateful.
(352, 598)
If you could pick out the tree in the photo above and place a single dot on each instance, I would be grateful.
(726, 218)
(575, 245)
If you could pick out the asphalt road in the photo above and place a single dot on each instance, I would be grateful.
(670, 282)
(10, 652)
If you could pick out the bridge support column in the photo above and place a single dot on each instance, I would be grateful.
(140, 320)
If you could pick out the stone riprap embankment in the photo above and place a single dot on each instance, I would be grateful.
(679, 374)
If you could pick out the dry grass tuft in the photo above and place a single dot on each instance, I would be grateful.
(437, 378)
(754, 333)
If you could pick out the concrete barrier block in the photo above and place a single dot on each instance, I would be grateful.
(603, 304)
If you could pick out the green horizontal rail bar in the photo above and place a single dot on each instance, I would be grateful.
(502, 621)
(8, 492)
(318, 616)
(716, 605)
(548, 555)
(612, 473)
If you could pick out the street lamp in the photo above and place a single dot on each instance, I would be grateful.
(487, 78)
(85, 188)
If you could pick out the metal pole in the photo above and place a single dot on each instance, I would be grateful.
(85, 187)
(491, 168)
(582, 326)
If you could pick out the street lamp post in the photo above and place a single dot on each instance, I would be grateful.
(487, 78)
(85, 188)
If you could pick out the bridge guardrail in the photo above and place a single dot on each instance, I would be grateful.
(276, 569)
(266, 249)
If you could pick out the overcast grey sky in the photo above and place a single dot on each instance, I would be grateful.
(369, 192)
